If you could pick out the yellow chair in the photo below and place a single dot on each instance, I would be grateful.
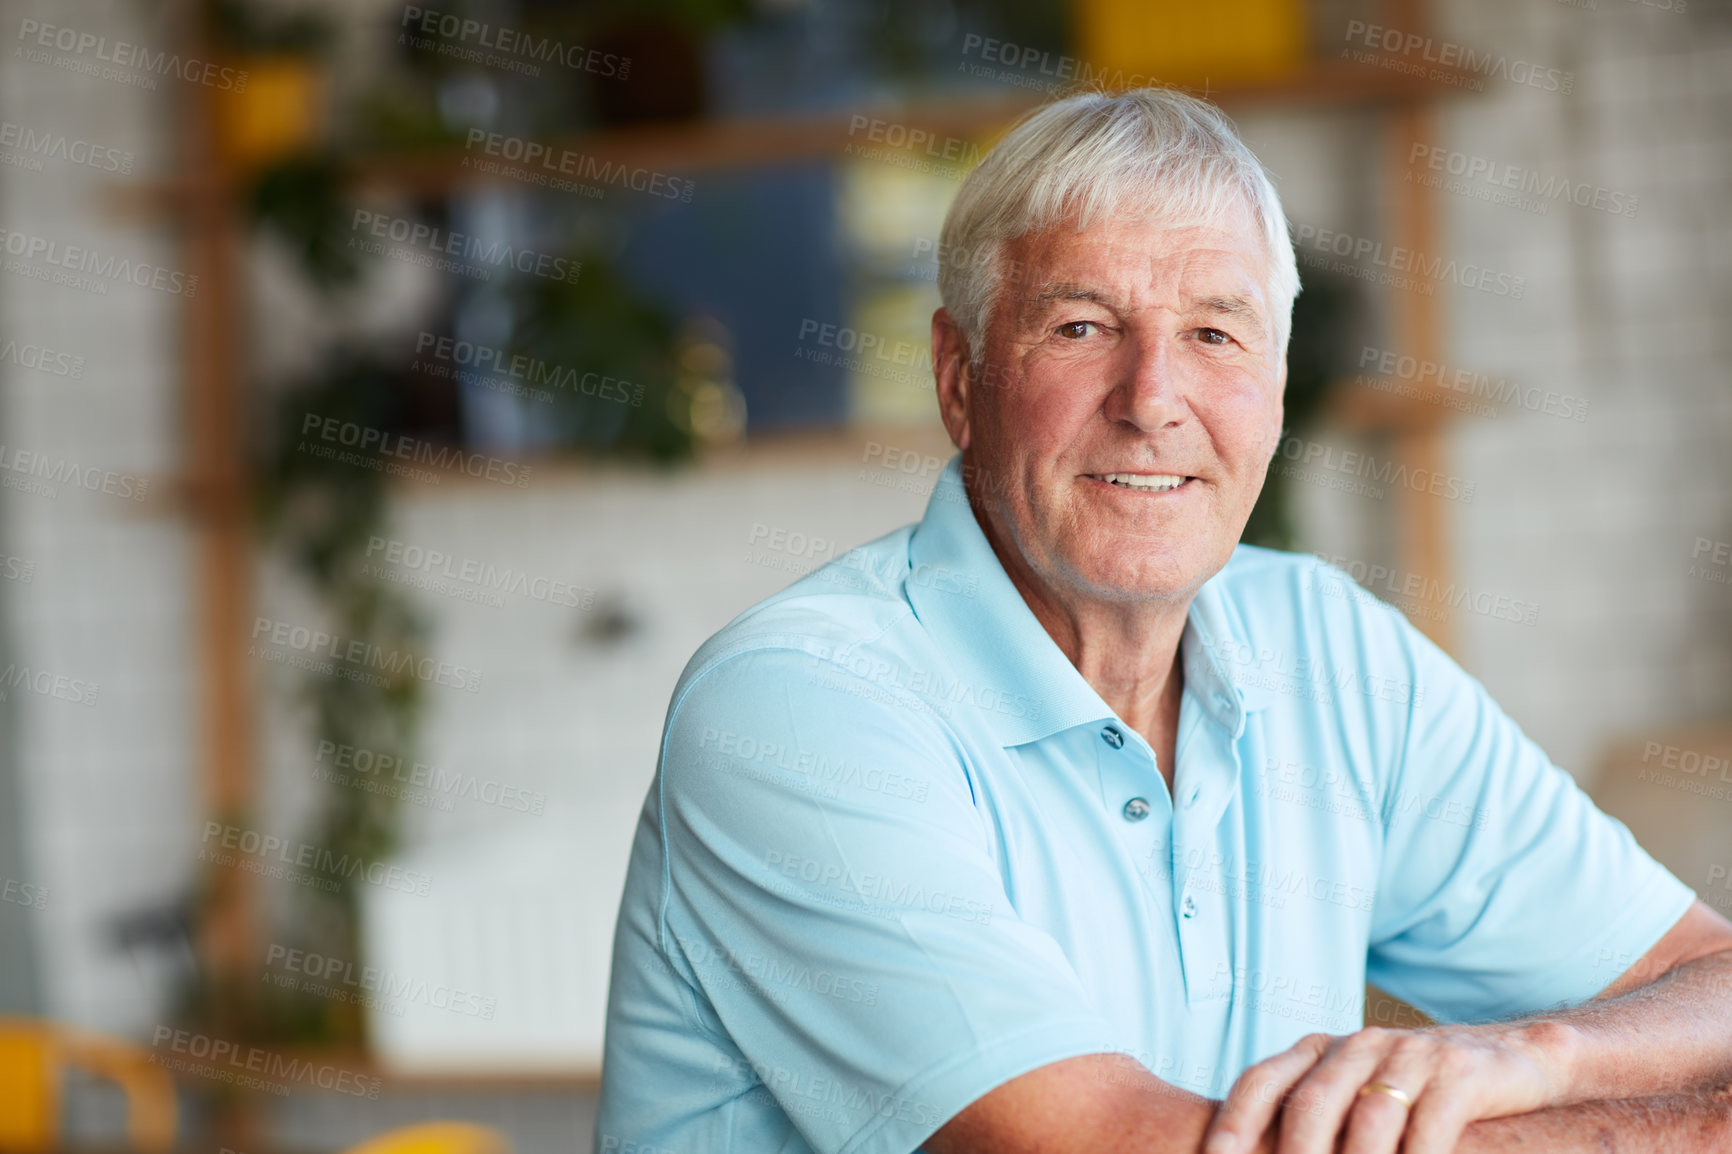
(436, 1138)
(33, 1055)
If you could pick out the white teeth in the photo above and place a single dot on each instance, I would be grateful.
(1148, 482)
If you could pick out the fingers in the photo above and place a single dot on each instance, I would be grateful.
(1377, 1120)
(1436, 1125)
(1251, 1105)
(1323, 1092)
(1327, 1101)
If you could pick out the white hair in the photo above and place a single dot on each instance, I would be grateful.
(1149, 150)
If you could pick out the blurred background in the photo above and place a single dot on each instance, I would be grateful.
(392, 397)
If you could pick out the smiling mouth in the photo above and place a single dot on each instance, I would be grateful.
(1143, 482)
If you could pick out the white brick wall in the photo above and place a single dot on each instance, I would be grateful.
(108, 801)
(1593, 521)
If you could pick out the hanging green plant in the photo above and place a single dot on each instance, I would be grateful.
(1316, 355)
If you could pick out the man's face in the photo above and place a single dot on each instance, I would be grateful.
(1128, 404)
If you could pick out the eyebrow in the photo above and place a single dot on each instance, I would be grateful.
(1233, 306)
(1068, 291)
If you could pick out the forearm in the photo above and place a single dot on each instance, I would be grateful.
(1674, 1124)
(1671, 1036)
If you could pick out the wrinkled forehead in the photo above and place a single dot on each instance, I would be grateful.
(1135, 253)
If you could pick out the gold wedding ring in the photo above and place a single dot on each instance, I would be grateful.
(1385, 1088)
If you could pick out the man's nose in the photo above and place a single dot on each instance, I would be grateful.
(1149, 392)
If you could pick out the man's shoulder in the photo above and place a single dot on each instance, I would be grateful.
(1302, 586)
(1303, 604)
(1294, 623)
(841, 610)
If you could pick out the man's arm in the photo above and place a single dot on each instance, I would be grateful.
(1646, 1066)
(1098, 1103)
(1639, 1039)
(1666, 1024)
(1111, 1104)
(1673, 1124)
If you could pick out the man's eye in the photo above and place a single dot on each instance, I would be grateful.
(1213, 336)
(1075, 330)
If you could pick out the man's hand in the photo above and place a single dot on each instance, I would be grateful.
(1451, 1076)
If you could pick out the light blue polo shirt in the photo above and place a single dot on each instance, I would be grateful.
(898, 852)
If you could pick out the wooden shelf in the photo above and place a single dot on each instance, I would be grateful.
(715, 145)
(577, 1081)
(1361, 406)
(721, 145)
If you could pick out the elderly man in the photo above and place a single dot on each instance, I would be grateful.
(1057, 822)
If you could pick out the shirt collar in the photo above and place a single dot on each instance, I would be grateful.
(966, 601)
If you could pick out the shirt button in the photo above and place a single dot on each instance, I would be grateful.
(1136, 809)
(1113, 737)
(1189, 906)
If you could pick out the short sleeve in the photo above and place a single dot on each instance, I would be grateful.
(1504, 889)
(834, 905)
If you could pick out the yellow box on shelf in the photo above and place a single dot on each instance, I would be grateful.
(1189, 43)
(273, 113)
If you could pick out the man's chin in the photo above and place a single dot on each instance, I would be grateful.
(1115, 581)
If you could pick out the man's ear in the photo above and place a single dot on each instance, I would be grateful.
(950, 376)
